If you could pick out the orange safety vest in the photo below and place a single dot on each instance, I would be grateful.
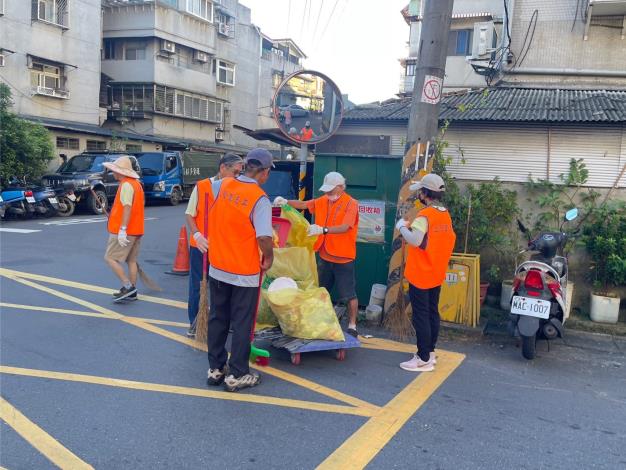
(426, 266)
(135, 223)
(234, 247)
(341, 245)
(307, 134)
(203, 187)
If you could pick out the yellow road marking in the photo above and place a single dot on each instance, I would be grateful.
(140, 323)
(89, 314)
(382, 344)
(40, 439)
(90, 287)
(188, 391)
(360, 448)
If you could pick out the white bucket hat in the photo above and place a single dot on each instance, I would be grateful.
(331, 181)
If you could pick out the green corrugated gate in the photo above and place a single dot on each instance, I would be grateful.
(375, 180)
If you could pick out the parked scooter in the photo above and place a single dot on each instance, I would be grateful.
(539, 289)
(46, 203)
(18, 200)
(66, 198)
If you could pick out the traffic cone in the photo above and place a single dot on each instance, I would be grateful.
(181, 262)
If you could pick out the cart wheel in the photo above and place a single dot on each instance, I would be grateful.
(295, 358)
(340, 355)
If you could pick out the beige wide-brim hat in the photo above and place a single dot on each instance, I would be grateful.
(122, 166)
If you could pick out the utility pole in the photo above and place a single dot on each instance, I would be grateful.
(423, 125)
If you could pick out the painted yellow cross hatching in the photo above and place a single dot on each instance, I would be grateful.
(355, 453)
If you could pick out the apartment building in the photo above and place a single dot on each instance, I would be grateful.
(475, 41)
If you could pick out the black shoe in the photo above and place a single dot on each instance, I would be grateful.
(191, 332)
(132, 296)
(125, 293)
(216, 377)
(353, 332)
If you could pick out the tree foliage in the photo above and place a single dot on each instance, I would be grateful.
(25, 147)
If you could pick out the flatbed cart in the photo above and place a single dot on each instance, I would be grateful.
(297, 346)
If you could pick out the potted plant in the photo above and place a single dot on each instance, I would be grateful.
(605, 240)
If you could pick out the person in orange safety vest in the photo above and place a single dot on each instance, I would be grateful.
(126, 227)
(336, 225)
(431, 240)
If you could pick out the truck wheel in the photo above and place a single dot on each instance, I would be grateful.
(97, 204)
(529, 344)
(176, 197)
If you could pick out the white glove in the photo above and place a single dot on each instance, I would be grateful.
(201, 242)
(401, 223)
(280, 201)
(122, 239)
(315, 230)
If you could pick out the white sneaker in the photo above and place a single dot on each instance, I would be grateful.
(415, 364)
(433, 358)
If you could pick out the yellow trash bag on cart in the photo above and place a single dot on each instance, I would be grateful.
(306, 314)
(298, 234)
(297, 263)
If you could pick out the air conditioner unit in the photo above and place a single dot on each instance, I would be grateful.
(1, 60)
(224, 29)
(219, 135)
(168, 46)
(200, 56)
(482, 43)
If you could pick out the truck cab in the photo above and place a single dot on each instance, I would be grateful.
(161, 176)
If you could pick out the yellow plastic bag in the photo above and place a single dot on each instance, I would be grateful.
(306, 314)
(298, 263)
(299, 228)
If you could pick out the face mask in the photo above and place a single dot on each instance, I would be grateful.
(333, 198)
(420, 197)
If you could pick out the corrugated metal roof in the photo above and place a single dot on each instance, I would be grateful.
(511, 105)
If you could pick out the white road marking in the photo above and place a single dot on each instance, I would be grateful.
(18, 230)
(92, 220)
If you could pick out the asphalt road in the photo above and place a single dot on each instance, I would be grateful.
(116, 386)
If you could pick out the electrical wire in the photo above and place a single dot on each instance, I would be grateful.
(288, 18)
(317, 23)
(575, 15)
(330, 17)
(533, 23)
(506, 26)
(306, 2)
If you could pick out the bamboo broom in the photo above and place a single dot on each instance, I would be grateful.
(202, 318)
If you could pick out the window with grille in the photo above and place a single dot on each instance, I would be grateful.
(201, 8)
(47, 78)
(460, 42)
(52, 11)
(133, 147)
(67, 143)
(96, 145)
(135, 51)
(225, 24)
(225, 73)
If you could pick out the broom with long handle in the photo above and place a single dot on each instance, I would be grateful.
(202, 318)
(258, 356)
(397, 321)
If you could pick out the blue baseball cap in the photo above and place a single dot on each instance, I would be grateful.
(263, 156)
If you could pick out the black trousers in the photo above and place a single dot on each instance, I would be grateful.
(425, 305)
(231, 307)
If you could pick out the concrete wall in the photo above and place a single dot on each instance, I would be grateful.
(78, 46)
(149, 20)
(558, 43)
(83, 138)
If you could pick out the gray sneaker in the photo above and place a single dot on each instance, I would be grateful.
(233, 384)
(216, 377)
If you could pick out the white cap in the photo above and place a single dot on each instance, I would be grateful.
(331, 181)
(430, 181)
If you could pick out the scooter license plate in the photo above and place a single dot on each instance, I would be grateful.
(30, 199)
(530, 307)
(53, 200)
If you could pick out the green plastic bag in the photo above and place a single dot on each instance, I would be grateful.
(265, 317)
(306, 314)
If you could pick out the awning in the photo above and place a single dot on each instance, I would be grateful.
(272, 134)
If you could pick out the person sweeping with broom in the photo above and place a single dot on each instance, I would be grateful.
(240, 231)
(126, 227)
(197, 217)
(431, 240)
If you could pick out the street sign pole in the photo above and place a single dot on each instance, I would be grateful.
(423, 123)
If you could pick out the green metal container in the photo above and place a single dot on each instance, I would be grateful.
(374, 180)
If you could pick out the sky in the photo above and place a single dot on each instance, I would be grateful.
(357, 43)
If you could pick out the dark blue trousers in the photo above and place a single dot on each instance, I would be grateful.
(195, 278)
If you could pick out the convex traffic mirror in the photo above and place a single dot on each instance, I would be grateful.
(308, 107)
